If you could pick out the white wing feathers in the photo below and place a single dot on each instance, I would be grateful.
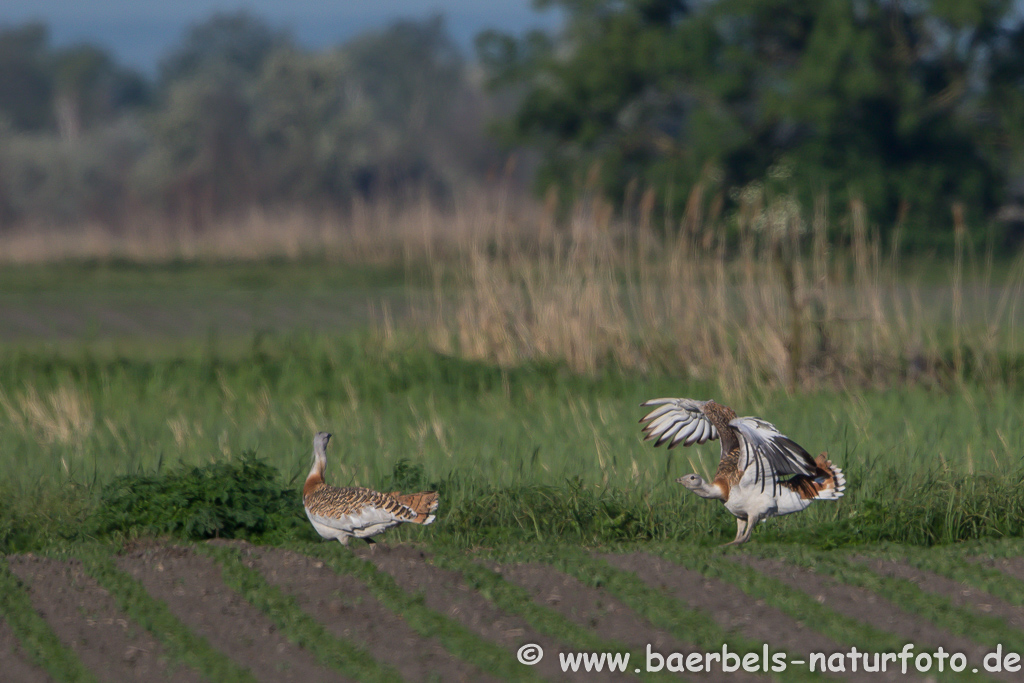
(770, 452)
(677, 421)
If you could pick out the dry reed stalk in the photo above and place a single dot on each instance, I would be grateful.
(760, 298)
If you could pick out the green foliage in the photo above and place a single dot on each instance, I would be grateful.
(895, 104)
(570, 512)
(41, 516)
(222, 500)
(930, 509)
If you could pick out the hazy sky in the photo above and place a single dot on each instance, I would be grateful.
(139, 32)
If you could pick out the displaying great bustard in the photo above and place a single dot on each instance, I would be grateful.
(755, 457)
(340, 513)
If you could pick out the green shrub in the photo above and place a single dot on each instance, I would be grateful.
(241, 499)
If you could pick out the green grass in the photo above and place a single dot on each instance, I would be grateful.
(37, 639)
(532, 453)
(300, 628)
(178, 640)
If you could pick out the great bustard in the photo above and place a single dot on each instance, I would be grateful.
(754, 457)
(340, 513)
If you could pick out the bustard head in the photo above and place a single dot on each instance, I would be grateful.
(320, 442)
(696, 483)
(320, 451)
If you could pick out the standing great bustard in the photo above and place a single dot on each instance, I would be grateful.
(754, 457)
(355, 511)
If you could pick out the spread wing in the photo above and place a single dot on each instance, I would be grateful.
(766, 453)
(677, 421)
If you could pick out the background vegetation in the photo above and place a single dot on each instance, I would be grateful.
(906, 109)
(791, 208)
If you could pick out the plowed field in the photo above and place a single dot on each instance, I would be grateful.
(326, 613)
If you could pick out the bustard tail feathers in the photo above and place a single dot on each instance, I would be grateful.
(424, 504)
(827, 483)
(831, 482)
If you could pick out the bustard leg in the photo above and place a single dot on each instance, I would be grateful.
(750, 527)
(741, 527)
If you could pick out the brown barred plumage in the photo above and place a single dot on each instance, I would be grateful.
(342, 512)
(331, 501)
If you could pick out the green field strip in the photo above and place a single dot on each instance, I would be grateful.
(178, 640)
(514, 599)
(844, 630)
(297, 626)
(939, 610)
(453, 636)
(37, 639)
(659, 607)
(796, 603)
(952, 565)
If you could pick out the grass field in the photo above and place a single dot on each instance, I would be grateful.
(178, 401)
(539, 450)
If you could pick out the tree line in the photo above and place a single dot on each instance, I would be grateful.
(907, 107)
(238, 115)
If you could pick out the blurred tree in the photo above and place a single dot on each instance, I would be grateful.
(234, 45)
(315, 126)
(25, 85)
(892, 102)
(416, 79)
(203, 159)
(89, 88)
(374, 116)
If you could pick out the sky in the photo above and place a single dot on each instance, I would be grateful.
(139, 32)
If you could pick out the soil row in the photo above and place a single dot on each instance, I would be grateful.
(88, 621)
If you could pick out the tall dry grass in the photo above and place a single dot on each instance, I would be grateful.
(764, 296)
(768, 293)
(381, 232)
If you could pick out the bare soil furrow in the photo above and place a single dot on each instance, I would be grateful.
(960, 594)
(86, 619)
(193, 589)
(602, 613)
(347, 608)
(15, 664)
(863, 605)
(445, 592)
